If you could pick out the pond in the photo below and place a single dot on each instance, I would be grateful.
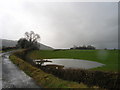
(74, 63)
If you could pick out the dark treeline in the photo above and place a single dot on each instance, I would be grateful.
(89, 47)
(8, 48)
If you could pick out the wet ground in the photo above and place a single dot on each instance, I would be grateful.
(12, 77)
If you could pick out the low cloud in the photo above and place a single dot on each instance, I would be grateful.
(64, 24)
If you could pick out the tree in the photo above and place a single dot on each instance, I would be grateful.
(22, 43)
(32, 37)
(30, 41)
(90, 47)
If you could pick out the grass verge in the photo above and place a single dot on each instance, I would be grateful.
(44, 79)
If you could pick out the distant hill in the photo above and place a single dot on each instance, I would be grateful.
(12, 43)
(8, 43)
(45, 47)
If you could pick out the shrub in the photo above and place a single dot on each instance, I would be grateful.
(107, 80)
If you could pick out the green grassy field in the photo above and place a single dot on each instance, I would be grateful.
(107, 57)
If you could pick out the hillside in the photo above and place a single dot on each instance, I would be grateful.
(12, 43)
(8, 43)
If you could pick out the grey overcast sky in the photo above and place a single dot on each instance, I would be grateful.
(61, 24)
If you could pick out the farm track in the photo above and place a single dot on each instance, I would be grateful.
(12, 76)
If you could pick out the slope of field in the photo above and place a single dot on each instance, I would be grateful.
(107, 57)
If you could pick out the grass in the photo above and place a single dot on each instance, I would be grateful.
(107, 57)
(44, 79)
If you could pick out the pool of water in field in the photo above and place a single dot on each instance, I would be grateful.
(74, 63)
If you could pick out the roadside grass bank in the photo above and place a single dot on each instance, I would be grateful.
(107, 57)
(44, 79)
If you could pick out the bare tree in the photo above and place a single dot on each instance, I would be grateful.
(32, 37)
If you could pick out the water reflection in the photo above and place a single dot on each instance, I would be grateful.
(73, 63)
